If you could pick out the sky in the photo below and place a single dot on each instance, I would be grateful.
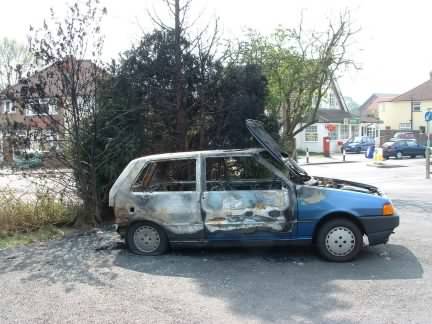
(393, 46)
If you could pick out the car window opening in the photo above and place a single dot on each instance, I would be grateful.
(176, 175)
(239, 173)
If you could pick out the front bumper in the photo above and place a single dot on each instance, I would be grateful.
(389, 153)
(379, 228)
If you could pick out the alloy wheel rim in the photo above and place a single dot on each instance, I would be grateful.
(146, 239)
(340, 241)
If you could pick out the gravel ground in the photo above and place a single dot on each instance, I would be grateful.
(92, 278)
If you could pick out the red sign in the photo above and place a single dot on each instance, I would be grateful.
(330, 127)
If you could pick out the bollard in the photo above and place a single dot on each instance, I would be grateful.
(343, 155)
(428, 163)
(307, 155)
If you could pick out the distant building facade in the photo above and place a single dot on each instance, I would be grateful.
(32, 112)
(406, 111)
(334, 111)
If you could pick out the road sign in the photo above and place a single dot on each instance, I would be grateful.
(428, 116)
(354, 121)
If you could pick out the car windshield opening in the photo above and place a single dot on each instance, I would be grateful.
(290, 168)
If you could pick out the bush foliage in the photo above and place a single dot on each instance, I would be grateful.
(26, 215)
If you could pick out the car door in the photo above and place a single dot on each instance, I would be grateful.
(403, 147)
(365, 143)
(242, 199)
(414, 148)
(166, 192)
(411, 148)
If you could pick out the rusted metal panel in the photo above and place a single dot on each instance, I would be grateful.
(245, 210)
(185, 213)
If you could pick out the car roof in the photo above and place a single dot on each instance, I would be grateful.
(195, 154)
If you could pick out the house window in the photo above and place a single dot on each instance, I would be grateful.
(416, 106)
(334, 135)
(43, 106)
(405, 126)
(344, 131)
(371, 132)
(9, 107)
(332, 100)
(311, 133)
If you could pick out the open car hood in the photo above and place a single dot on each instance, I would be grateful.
(272, 147)
(267, 142)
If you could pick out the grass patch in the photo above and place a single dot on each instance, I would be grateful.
(41, 217)
(20, 215)
(45, 233)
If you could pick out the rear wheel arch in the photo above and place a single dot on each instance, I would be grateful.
(336, 215)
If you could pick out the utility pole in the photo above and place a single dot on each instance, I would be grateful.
(428, 119)
(412, 114)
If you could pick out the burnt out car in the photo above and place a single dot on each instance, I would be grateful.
(245, 197)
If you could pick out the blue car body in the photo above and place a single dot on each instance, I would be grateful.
(358, 144)
(364, 208)
(402, 148)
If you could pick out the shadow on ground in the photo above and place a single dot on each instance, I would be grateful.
(279, 283)
(258, 283)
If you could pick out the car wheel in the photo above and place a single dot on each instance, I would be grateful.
(412, 156)
(146, 238)
(399, 155)
(359, 150)
(339, 240)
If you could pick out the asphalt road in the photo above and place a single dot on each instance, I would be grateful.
(92, 278)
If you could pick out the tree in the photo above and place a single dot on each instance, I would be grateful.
(300, 67)
(70, 48)
(139, 99)
(15, 61)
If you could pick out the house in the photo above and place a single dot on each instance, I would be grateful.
(32, 112)
(334, 113)
(369, 109)
(406, 111)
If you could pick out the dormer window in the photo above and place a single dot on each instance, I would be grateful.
(332, 100)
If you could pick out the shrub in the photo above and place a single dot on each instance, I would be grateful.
(18, 214)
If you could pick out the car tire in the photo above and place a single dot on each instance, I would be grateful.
(339, 240)
(358, 150)
(146, 238)
(412, 156)
(399, 155)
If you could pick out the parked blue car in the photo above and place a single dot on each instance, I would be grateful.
(401, 148)
(245, 197)
(358, 144)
